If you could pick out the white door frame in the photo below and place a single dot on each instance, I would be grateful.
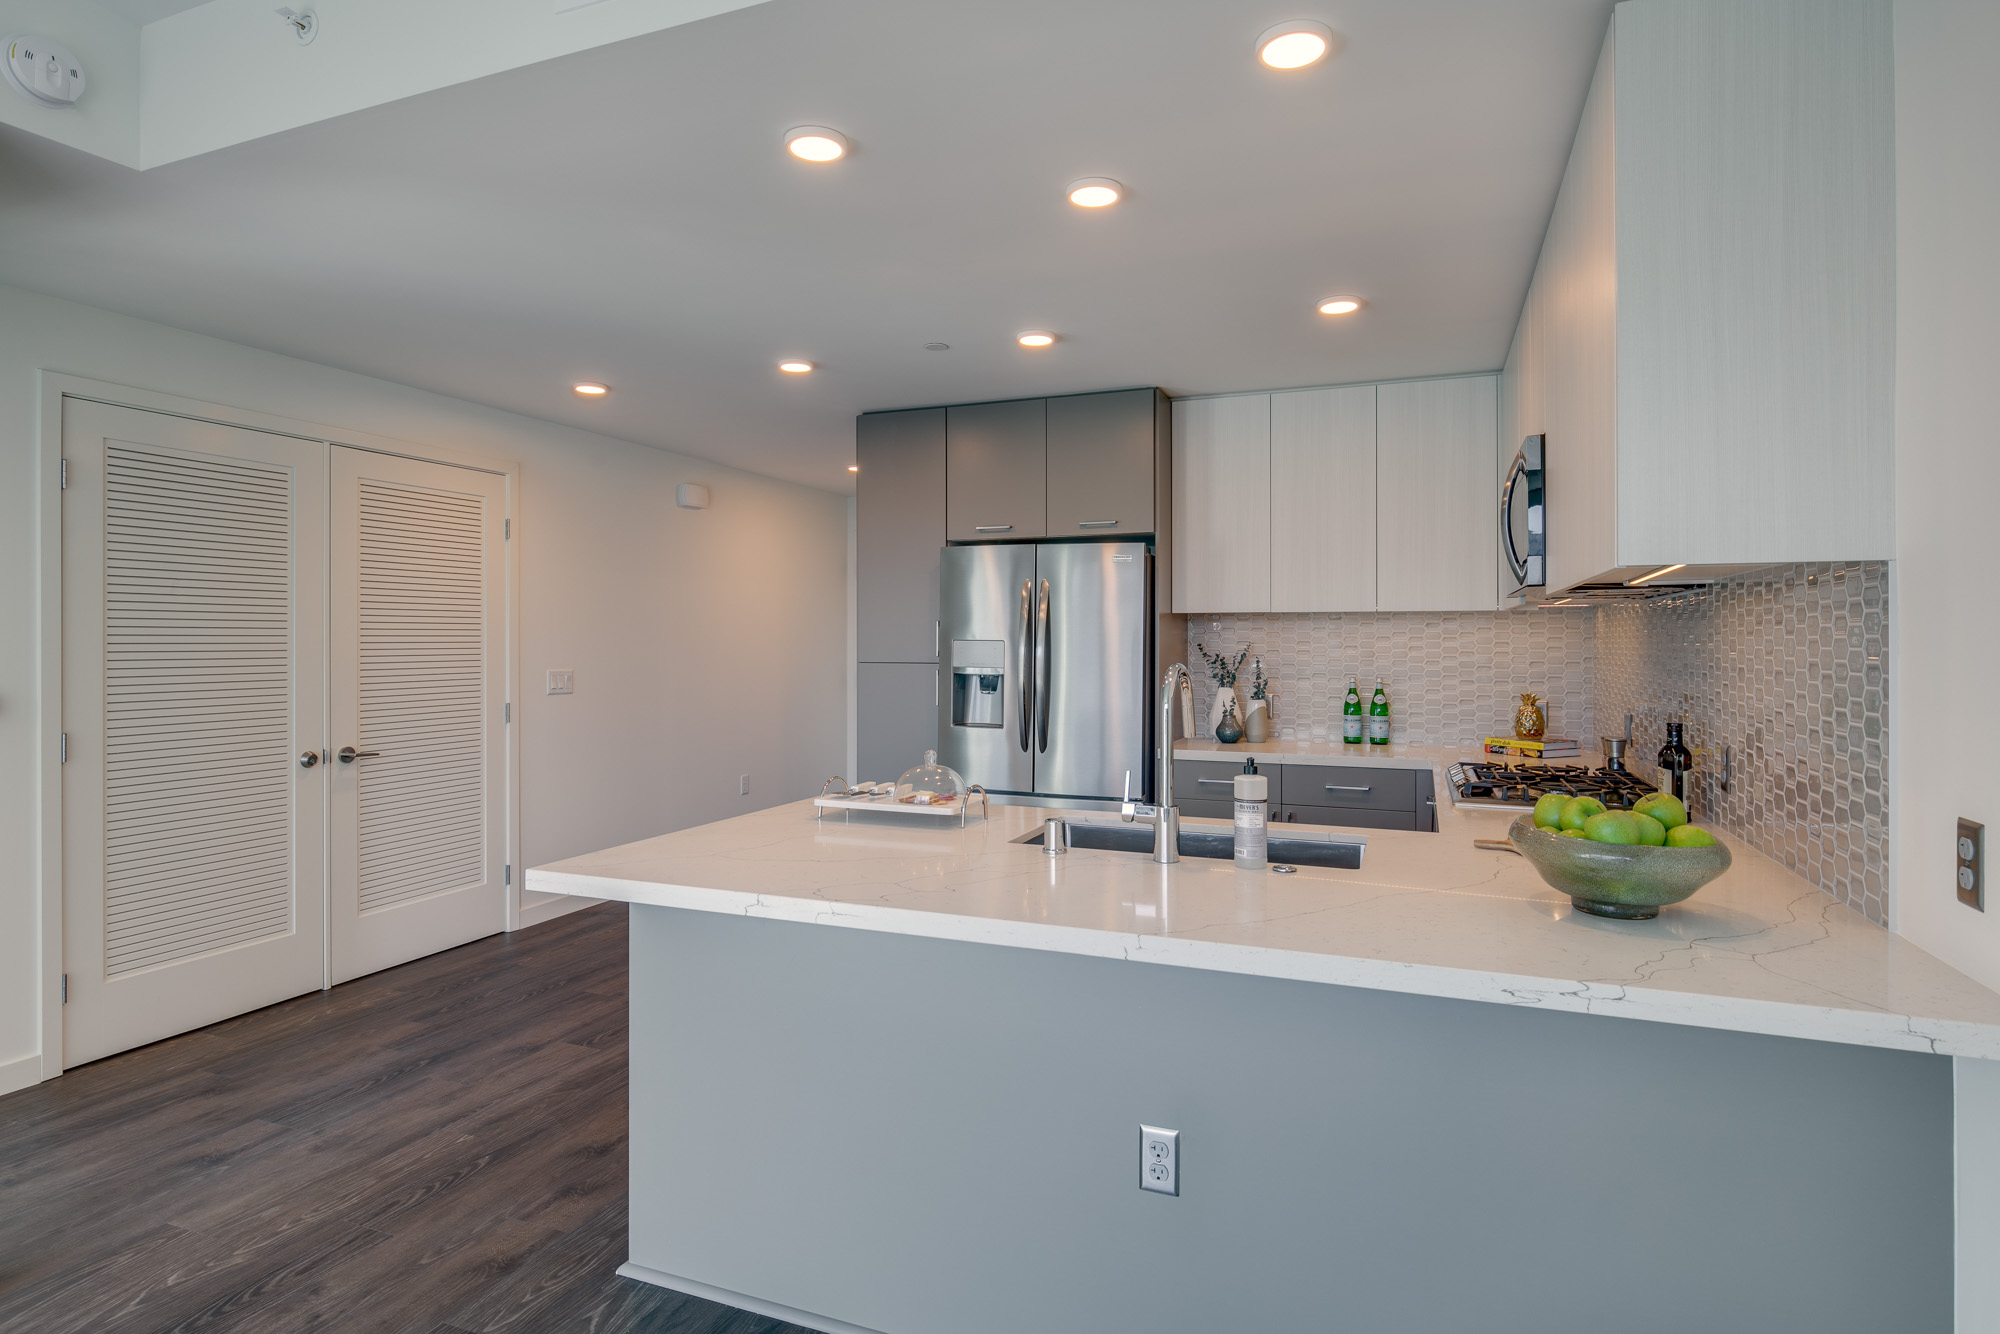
(54, 386)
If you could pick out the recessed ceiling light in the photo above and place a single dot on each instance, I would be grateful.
(591, 389)
(1034, 338)
(1294, 45)
(816, 143)
(1339, 305)
(795, 367)
(854, 467)
(1095, 192)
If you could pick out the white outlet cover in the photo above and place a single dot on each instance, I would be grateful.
(1159, 1160)
(562, 681)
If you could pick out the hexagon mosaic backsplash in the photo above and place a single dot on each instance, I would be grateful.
(1788, 667)
(1451, 677)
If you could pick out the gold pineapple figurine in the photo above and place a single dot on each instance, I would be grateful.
(1529, 723)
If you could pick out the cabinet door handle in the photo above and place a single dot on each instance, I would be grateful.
(993, 528)
(1336, 787)
(1217, 782)
(1097, 523)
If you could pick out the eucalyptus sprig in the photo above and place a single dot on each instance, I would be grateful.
(1259, 687)
(1219, 665)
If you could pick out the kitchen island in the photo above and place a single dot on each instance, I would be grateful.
(1410, 1096)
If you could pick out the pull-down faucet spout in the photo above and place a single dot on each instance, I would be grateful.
(1166, 815)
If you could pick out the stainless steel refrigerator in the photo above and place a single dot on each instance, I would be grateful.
(1047, 658)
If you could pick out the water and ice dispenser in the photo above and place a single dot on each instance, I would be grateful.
(978, 682)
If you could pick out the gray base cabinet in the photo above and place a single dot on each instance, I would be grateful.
(896, 715)
(1357, 797)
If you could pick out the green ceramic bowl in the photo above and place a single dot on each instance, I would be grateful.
(1612, 880)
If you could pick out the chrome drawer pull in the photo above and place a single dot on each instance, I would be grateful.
(993, 528)
(1335, 787)
(1217, 782)
(1097, 523)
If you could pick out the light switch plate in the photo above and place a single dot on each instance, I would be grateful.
(562, 681)
(1160, 1160)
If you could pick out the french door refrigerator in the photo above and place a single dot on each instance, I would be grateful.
(1048, 655)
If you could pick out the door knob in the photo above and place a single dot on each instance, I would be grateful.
(308, 758)
(348, 754)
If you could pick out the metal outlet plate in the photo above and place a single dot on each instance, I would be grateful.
(1971, 872)
(1160, 1160)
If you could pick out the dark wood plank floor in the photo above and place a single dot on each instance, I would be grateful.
(436, 1148)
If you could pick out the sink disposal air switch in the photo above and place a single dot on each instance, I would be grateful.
(1252, 792)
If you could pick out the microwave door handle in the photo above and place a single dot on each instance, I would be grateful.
(1042, 673)
(1515, 565)
(1022, 646)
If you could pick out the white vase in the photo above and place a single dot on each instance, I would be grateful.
(1257, 721)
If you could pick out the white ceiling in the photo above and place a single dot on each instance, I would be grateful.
(143, 12)
(628, 214)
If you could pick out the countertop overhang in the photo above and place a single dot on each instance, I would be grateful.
(1759, 950)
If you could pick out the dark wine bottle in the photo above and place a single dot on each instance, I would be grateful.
(1675, 761)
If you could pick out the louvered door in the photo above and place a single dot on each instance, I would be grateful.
(193, 680)
(417, 654)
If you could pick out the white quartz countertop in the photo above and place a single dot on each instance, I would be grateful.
(1395, 755)
(1758, 950)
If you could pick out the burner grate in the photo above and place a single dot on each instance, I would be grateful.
(1523, 784)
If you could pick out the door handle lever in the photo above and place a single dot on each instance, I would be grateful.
(348, 754)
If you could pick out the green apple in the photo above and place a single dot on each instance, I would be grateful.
(1548, 811)
(1572, 833)
(1578, 809)
(1652, 833)
(1612, 827)
(1687, 836)
(1662, 806)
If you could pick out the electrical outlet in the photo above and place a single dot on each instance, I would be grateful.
(1972, 864)
(1160, 1160)
(562, 681)
(743, 786)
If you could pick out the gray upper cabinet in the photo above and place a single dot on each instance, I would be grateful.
(1101, 463)
(899, 531)
(998, 471)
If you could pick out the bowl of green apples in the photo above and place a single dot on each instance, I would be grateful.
(1623, 864)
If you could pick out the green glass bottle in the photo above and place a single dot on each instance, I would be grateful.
(1350, 711)
(1378, 717)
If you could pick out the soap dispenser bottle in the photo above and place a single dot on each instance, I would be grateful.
(1253, 804)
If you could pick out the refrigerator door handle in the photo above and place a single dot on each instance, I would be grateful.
(1042, 673)
(1021, 649)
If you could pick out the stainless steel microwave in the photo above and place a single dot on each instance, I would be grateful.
(1524, 518)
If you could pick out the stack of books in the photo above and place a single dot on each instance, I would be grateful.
(1548, 748)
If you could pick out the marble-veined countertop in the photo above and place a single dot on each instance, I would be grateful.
(1758, 950)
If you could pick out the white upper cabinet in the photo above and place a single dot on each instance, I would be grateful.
(1323, 499)
(1436, 507)
(1708, 342)
(1345, 499)
(1222, 503)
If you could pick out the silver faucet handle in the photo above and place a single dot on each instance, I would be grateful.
(1129, 808)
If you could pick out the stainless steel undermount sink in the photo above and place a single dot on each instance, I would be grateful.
(1216, 844)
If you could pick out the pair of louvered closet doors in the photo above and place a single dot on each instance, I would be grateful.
(284, 671)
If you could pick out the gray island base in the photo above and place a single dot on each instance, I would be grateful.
(861, 1100)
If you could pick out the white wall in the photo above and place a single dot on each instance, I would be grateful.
(706, 644)
(1945, 664)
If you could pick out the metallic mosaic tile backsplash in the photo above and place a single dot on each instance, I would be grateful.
(1452, 677)
(1788, 667)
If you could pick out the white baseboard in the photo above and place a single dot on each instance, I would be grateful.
(755, 1305)
(20, 1072)
(554, 906)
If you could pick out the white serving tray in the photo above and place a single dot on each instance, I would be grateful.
(957, 808)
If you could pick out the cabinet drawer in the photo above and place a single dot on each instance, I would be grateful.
(1351, 818)
(1211, 780)
(1345, 787)
(1206, 807)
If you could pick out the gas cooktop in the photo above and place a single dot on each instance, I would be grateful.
(1518, 785)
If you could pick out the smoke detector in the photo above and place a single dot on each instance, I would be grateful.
(43, 70)
(303, 23)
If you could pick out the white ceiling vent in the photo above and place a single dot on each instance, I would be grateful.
(44, 71)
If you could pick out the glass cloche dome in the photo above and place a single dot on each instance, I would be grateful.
(930, 783)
